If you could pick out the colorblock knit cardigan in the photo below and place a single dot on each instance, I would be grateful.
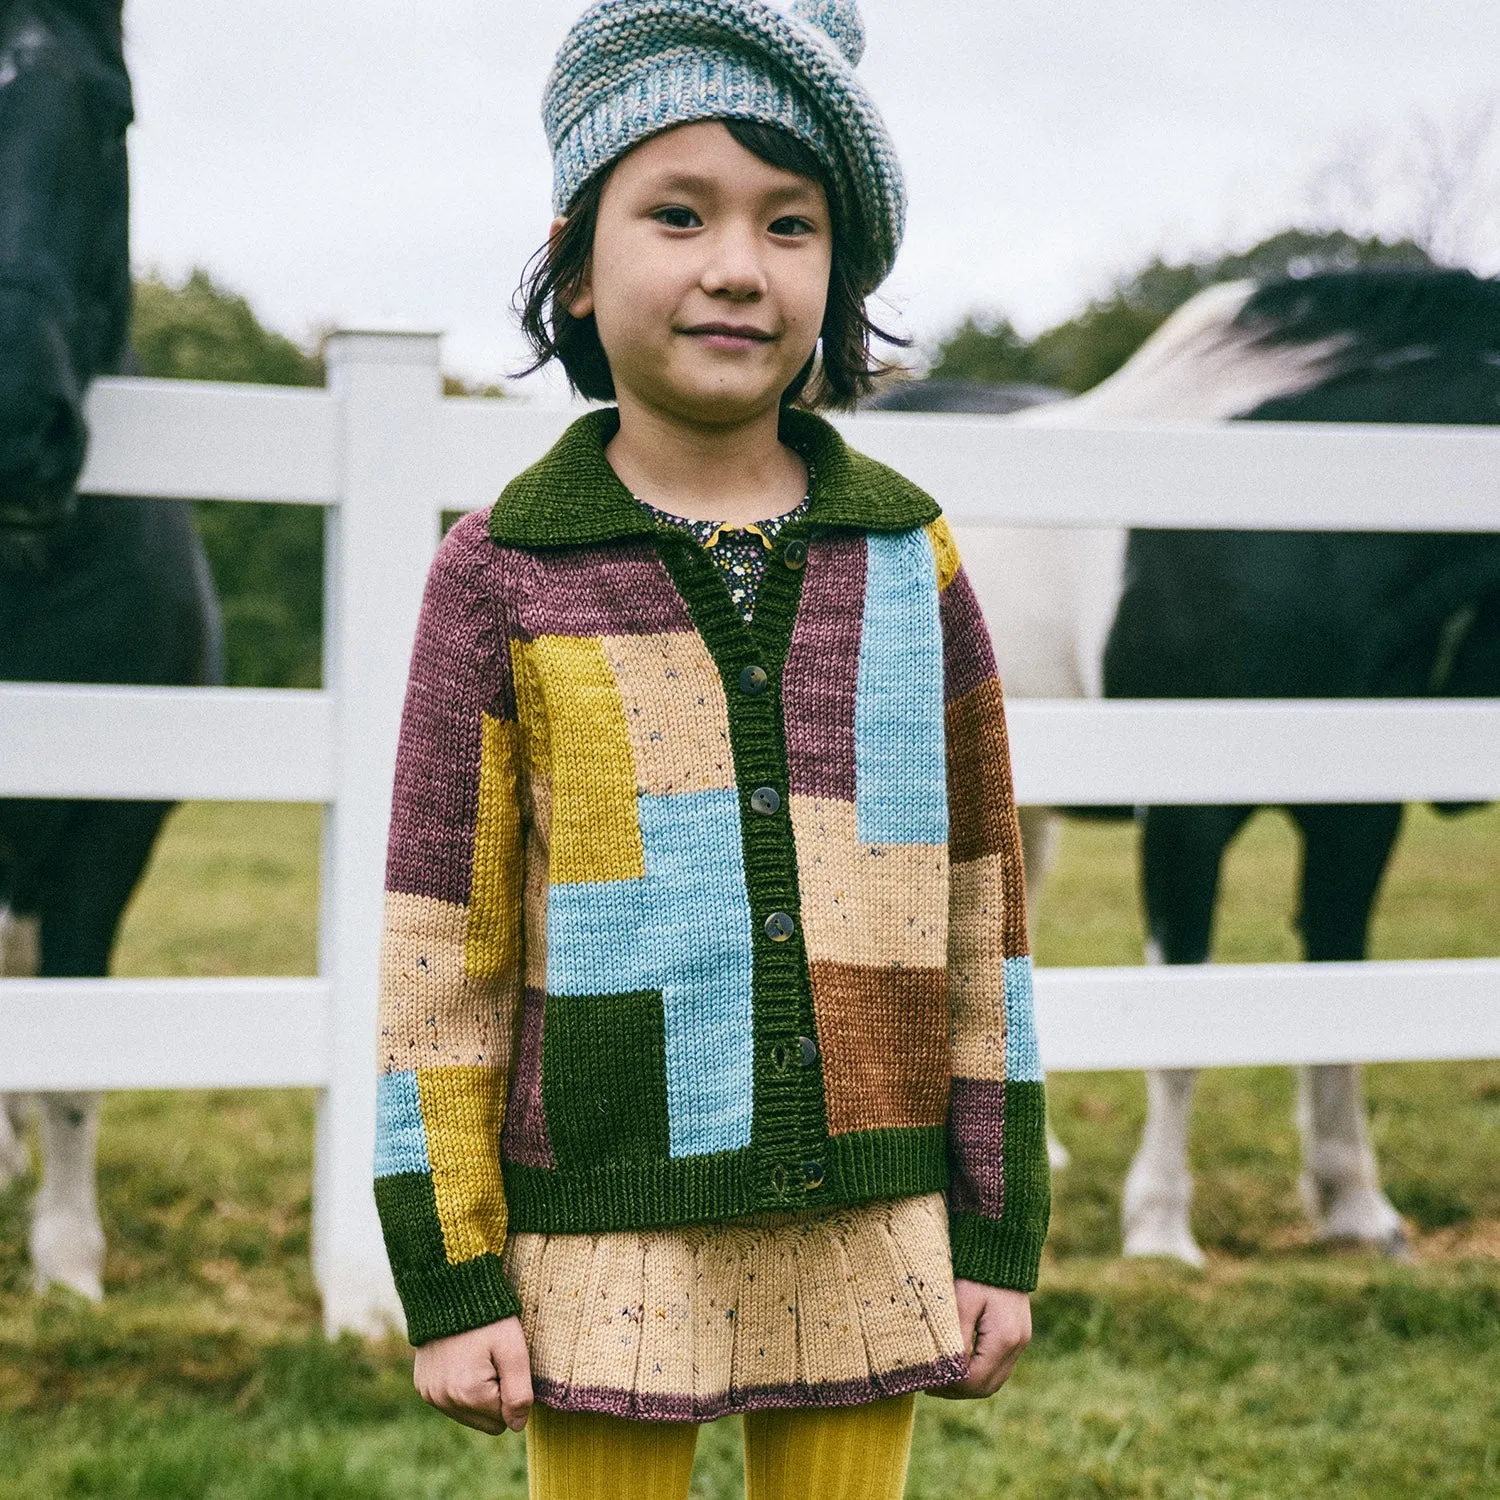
(688, 918)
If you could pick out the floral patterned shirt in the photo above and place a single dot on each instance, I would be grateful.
(739, 551)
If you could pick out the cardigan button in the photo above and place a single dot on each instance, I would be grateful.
(753, 681)
(765, 800)
(809, 1050)
(795, 555)
(812, 1174)
(779, 926)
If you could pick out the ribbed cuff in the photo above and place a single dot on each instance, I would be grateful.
(447, 1299)
(997, 1252)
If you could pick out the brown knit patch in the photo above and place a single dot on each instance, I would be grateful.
(981, 804)
(883, 1036)
(873, 904)
(432, 1014)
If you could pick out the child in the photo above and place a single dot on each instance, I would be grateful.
(705, 972)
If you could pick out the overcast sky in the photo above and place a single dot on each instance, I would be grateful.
(342, 160)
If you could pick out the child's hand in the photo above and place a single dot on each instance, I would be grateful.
(481, 1378)
(996, 1326)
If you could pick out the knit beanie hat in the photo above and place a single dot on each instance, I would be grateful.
(630, 68)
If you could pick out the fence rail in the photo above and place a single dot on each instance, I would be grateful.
(238, 744)
(386, 454)
(274, 1033)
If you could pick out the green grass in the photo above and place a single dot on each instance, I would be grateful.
(1281, 1370)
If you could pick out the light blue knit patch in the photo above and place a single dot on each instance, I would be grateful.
(684, 929)
(1023, 1062)
(400, 1135)
(900, 766)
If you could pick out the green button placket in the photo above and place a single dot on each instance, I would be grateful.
(790, 1119)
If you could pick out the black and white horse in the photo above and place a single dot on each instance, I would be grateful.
(92, 589)
(1254, 614)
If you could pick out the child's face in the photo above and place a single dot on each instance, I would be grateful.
(709, 276)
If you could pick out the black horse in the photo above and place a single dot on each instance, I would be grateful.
(92, 588)
(1208, 614)
(1259, 614)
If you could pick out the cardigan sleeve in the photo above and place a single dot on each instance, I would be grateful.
(999, 1184)
(450, 982)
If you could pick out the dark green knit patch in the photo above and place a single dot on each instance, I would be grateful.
(438, 1296)
(572, 497)
(891, 1163)
(1008, 1251)
(604, 1077)
(706, 1189)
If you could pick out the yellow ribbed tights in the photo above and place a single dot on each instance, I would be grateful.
(827, 1453)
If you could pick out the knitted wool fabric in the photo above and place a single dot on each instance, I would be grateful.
(832, 1308)
(630, 68)
(689, 919)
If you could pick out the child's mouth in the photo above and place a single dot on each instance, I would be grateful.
(729, 336)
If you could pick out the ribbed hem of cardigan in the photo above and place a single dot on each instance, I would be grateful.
(997, 1252)
(657, 1192)
(448, 1299)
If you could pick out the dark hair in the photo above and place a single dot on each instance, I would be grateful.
(846, 370)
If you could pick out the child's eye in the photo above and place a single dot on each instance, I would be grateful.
(793, 224)
(675, 216)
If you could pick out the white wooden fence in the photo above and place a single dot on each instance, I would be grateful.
(385, 453)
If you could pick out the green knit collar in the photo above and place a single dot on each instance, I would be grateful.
(571, 497)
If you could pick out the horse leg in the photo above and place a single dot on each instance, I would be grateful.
(1038, 849)
(1182, 849)
(67, 1241)
(19, 952)
(109, 843)
(1346, 849)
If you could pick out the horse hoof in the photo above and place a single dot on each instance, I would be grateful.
(1359, 1216)
(1163, 1242)
(1156, 1227)
(1395, 1246)
(83, 1283)
(68, 1254)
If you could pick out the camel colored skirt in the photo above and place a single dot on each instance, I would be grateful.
(771, 1310)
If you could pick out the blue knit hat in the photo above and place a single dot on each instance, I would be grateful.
(630, 68)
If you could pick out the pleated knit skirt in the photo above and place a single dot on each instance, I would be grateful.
(772, 1310)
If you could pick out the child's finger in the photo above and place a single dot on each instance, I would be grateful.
(513, 1366)
(476, 1406)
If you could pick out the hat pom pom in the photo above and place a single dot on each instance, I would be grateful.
(838, 19)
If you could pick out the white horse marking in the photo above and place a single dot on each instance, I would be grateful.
(67, 1240)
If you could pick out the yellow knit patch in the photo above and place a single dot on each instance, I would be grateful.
(492, 938)
(944, 551)
(531, 711)
(596, 831)
(463, 1110)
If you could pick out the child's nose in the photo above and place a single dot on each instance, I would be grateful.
(735, 268)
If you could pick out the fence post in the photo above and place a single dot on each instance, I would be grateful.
(381, 539)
